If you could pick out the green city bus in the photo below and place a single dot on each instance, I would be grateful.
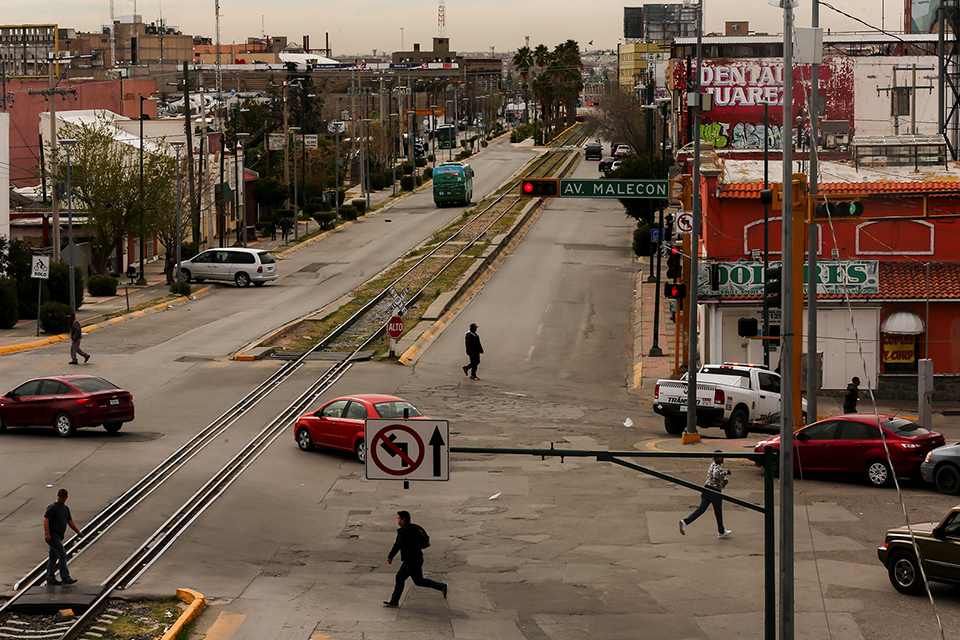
(446, 136)
(452, 182)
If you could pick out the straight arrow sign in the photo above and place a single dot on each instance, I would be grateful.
(436, 442)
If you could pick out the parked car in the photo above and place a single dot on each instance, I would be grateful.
(854, 443)
(605, 164)
(593, 152)
(66, 403)
(942, 468)
(339, 423)
(939, 546)
(734, 397)
(235, 264)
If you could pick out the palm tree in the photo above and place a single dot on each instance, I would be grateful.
(523, 60)
(541, 56)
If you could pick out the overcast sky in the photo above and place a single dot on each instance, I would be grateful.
(360, 26)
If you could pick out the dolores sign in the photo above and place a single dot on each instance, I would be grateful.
(834, 277)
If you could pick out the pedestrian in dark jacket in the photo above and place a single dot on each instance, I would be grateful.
(56, 519)
(285, 225)
(168, 267)
(409, 544)
(852, 395)
(76, 334)
(474, 349)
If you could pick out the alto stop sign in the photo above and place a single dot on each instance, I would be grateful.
(395, 327)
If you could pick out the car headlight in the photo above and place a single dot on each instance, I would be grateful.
(927, 458)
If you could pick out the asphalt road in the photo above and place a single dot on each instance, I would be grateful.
(531, 548)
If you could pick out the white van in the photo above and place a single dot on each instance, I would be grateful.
(236, 264)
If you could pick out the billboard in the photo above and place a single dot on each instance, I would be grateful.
(922, 15)
(741, 87)
(632, 22)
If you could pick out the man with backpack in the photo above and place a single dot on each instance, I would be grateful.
(410, 543)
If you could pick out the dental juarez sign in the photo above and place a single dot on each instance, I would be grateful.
(741, 87)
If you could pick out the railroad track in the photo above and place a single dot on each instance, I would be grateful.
(166, 535)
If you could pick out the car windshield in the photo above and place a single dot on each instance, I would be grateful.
(92, 385)
(904, 427)
(394, 409)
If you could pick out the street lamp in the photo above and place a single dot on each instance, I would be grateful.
(455, 127)
(143, 243)
(337, 127)
(68, 144)
(433, 133)
(655, 351)
(365, 132)
(393, 148)
(241, 182)
(296, 215)
(177, 145)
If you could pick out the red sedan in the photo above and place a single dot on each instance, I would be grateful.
(339, 423)
(854, 443)
(66, 403)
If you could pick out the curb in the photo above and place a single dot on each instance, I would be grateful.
(197, 604)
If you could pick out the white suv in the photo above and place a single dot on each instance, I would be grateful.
(240, 265)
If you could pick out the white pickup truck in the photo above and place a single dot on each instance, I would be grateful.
(732, 396)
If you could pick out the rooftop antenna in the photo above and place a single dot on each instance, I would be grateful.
(441, 20)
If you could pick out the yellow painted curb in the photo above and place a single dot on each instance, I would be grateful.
(689, 438)
(197, 603)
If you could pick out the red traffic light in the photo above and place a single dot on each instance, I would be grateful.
(674, 291)
(540, 187)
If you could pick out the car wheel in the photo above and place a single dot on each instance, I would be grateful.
(304, 441)
(904, 572)
(877, 473)
(63, 425)
(112, 427)
(947, 479)
(185, 275)
(259, 283)
(361, 450)
(737, 427)
(242, 279)
(673, 424)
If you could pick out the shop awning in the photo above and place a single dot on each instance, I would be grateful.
(903, 322)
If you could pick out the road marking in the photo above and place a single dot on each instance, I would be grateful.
(530, 352)
(226, 626)
(540, 329)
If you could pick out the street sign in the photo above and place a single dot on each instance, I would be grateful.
(40, 267)
(395, 327)
(684, 221)
(575, 188)
(407, 449)
(654, 235)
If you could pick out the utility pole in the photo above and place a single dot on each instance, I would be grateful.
(188, 125)
(813, 279)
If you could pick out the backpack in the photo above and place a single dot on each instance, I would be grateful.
(424, 537)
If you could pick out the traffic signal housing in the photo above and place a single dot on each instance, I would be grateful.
(674, 268)
(840, 209)
(540, 187)
(748, 327)
(674, 291)
(773, 286)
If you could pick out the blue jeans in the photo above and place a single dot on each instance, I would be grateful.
(412, 568)
(706, 499)
(57, 557)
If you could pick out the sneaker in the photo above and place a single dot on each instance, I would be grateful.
(444, 591)
(474, 378)
(54, 583)
(726, 532)
(683, 528)
(70, 581)
(465, 370)
(86, 359)
(392, 605)
(73, 362)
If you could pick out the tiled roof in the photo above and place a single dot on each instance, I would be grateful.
(749, 190)
(903, 280)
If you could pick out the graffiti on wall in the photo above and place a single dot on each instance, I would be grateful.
(741, 135)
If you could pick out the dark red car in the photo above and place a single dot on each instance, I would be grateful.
(339, 423)
(66, 403)
(852, 443)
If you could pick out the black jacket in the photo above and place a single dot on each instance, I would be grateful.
(472, 343)
(407, 543)
(850, 398)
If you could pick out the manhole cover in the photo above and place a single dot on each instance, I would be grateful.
(480, 511)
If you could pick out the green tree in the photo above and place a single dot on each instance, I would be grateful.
(642, 167)
(523, 61)
(270, 192)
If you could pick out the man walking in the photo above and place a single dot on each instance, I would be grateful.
(852, 395)
(76, 334)
(411, 540)
(716, 480)
(55, 522)
(474, 349)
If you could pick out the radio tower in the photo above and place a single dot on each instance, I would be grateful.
(441, 20)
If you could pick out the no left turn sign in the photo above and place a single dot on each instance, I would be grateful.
(407, 449)
(684, 221)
